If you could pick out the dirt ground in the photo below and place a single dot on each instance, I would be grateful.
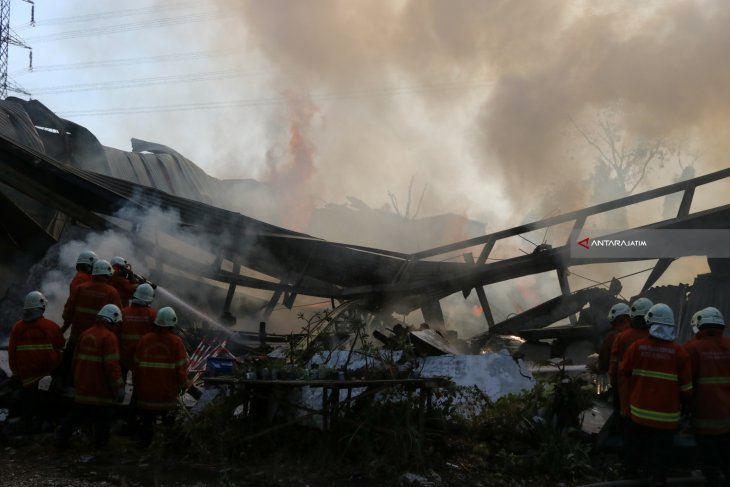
(35, 461)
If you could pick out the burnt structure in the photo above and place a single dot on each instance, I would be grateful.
(54, 174)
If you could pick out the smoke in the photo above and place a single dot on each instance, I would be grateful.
(156, 245)
(477, 99)
(520, 73)
(61, 265)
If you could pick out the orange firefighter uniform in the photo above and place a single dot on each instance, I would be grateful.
(34, 349)
(85, 302)
(621, 343)
(161, 370)
(604, 353)
(138, 321)
(709, 352)
(80, 278)
(97, 373)
(97, 378)
(658, 372)
(124, 287)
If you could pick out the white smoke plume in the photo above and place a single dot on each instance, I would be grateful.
(477, 99)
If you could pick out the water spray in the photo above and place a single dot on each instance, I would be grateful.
(192, 309)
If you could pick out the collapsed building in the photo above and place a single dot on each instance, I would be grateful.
(58, 181)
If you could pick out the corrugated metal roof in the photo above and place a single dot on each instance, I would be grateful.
(148, 164)
(73, 164)
(16, 124)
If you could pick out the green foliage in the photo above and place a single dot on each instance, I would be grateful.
(536, 432)
(522, 439)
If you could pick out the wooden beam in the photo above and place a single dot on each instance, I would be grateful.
(232, 288)
(483, 302)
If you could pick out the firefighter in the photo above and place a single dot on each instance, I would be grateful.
(138, 319)
(619, 320)
(161, 371)
(84, 265)
(82, 306)
(660, 380)
(123, 279)
(638, 329)
(34, 351)
(97, 378)
(709, 352)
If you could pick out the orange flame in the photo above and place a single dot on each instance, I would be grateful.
(290, 178)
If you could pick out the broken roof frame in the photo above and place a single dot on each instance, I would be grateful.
(299, 264)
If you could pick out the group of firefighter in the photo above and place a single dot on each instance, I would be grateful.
(114, 331)
(658, 384)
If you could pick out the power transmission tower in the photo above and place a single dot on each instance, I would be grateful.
(8, 38)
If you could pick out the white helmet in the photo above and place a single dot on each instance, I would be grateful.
(86, 257)
(145, 293)
(166, 317)
(660, 314)
(641, 307)
(102, 268)
(35, 299)
(110, 313)
(709, 316)
(693, 322)
(120, 261)
(617, 310)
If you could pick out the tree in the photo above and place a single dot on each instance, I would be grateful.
(623, 159)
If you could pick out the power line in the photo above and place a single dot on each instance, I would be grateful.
(186, 56)
(140, 82)
(619, 278)
(268, 101)
(110, 14)
(598, 283)
(128, 27)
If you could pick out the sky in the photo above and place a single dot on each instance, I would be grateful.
(478, 103)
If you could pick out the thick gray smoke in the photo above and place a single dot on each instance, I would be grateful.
(155, 232)
(520, 73)
(477, 99)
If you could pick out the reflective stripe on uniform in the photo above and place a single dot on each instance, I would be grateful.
(654, 374)
(685, 388)
(158, 365)
(82, 309)
(714, 380)
(96, 358)
(41, 346)
(655, 415)
(87, 357)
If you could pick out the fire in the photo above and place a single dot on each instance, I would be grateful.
(291, 176)
(477, 310)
